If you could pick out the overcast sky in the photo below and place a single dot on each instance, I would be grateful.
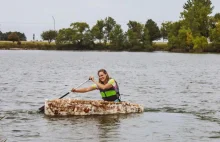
(34, 16)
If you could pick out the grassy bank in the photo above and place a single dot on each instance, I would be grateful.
(160, 46)
(27, 45)
(39, 45)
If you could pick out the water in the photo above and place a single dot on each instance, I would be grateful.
(180, 93)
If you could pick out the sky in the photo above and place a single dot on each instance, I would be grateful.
(35, 16)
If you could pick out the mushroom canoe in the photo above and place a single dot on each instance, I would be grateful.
(71, 107)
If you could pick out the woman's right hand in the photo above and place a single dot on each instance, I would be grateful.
(73, 90)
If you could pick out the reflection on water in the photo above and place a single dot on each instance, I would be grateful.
(104, 127)
(180, 93)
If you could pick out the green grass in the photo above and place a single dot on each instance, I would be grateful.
(162, 46)
(27, 45)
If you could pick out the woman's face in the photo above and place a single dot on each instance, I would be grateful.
(102, 76)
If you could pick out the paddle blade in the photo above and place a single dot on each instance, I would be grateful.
(41, 109)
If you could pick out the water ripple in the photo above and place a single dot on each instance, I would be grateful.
(180, 93)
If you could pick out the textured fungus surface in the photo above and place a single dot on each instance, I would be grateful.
(68, 107)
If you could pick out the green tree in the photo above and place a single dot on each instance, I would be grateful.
(21, 36)
(64, 36)
(146, 43)
(215, 34)
(173, 40)
(217, 16)
(153, 29)
(200, 43)
(13, 37)
(79, 31)
(189, 39)
(196, 16)
(110, 23)
(185, 39)
(98, 30)
(117, 37)
(164, 30)
(49, 35)
(88, 39)
(134, 34)
(213, 20)
(1, 35)
(4, 36)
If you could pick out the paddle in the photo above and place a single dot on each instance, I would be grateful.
(41, 109)
(2, 117)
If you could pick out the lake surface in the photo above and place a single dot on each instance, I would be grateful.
(180, 93)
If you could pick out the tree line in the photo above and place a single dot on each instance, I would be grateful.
(193, 32)
(12, 36)
(105, 34)
(198, 30)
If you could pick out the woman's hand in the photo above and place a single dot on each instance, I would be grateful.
(91, 78)
(73, 90)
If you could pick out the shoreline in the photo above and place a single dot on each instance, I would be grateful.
(20, 49)
(157, 46)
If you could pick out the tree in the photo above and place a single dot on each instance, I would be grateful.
(173, 40)
(134, 34)
(146, 40)
(79, 31)
(117, 36)
(200, 43)
(137, 36)
(215, 37)
(49, 35)
(88, 39)
(4, 36)
(165, 29)
(215, 34)
(64, 36)
(153, 29)
(185, 39)
(196, 16)
(13, 37)
(109, 25)
(217, 16)
(1, 35)
(21, 36)
(98, 30)
(213, 20)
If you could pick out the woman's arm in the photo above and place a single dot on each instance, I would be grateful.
(99, 85)
(83, 90)
(102, 86)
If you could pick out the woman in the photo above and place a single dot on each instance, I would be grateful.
(107, 86)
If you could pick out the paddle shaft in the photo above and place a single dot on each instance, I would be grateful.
(75, 88)
(41, 109)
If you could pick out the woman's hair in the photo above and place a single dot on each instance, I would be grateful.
(105, 72)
